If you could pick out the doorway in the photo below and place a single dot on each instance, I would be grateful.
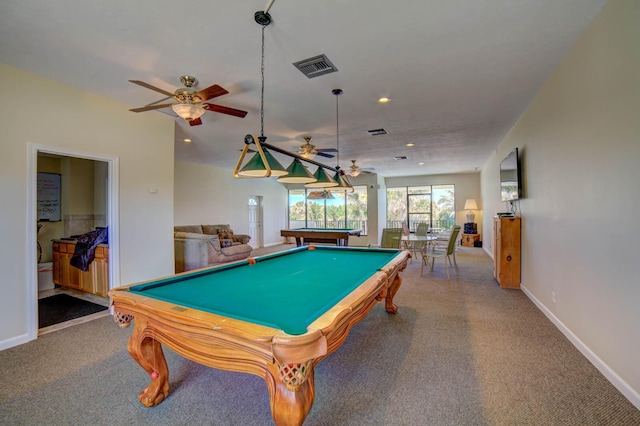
(107, 186)
(255, 221)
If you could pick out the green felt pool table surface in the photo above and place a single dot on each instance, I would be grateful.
(287, 291)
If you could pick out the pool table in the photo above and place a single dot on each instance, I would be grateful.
(320, 235)
(275, 316)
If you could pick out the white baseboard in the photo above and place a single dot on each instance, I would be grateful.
(14, 341)
(277, 243)
(611, 376)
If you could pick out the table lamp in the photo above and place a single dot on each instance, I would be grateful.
(470, 205)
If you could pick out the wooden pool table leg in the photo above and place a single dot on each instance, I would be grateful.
(290, 403)
(147, 352)
(391, 307)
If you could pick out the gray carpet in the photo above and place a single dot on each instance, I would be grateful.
(459, 352)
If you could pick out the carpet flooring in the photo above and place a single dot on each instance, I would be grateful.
(62, 307)
(458, 352)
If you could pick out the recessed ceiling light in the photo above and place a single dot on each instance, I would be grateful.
(187, 140)
(420, 164)
(410, 144)
(383, 100)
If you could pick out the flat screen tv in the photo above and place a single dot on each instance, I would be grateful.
(510, 178)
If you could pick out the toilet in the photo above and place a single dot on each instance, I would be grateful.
(45, 276)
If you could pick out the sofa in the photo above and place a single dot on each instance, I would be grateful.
(199, 246)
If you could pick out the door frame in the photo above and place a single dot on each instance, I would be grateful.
(259, 217)
(112, 221)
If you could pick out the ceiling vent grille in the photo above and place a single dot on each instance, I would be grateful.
(316, 66)
(376, 132)
(400, 157)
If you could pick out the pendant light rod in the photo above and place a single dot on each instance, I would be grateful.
(337, 92)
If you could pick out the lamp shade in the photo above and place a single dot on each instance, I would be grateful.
(188, 111)
(297, 173)
(324, 180)
(470, 204)
(343, 183)
(256, 167)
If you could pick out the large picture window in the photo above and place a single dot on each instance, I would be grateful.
(432, 204)
(316, 208)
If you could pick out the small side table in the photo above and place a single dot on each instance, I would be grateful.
(468, 240)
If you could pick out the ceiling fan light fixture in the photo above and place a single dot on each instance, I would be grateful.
(256, 167)
(355, 169)
(324, 180)
(297, 173)
(188, 111)
(309, 155)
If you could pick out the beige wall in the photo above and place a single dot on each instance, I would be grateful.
(581, 163)
(82, 122)
(210, 195)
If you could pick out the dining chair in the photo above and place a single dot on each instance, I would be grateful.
(417, 247)
(391, 238)
(431, 253)
(422, 229)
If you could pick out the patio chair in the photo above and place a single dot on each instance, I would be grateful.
(431, 253)
(391, 238)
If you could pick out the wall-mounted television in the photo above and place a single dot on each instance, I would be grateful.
(510, 178)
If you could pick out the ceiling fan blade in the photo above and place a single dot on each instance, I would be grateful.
(148, 86)
(150, 107)
(195, 122)
(211, 92)
(322, 154)
(226, 110)
(327, 150)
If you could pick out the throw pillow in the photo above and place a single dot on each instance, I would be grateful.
(225, 235)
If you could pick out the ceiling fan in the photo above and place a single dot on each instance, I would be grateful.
(355, 170)
(191, 104)
(307, 150)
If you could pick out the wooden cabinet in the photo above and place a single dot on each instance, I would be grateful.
(468, 240)
(95, 280)
(506, 256)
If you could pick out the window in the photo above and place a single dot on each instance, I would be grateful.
(317, 208)
(432, 204)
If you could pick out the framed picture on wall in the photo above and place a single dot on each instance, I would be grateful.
(48, 197)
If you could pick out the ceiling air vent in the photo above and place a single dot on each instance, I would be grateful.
(316, 66)
(376, 132)
(400, 157)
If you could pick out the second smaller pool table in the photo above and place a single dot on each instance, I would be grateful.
(339, 237)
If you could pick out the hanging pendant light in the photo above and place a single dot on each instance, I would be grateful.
(297, 173)
(263, 163)
(256, 167)
(343, 181)
(323, 180)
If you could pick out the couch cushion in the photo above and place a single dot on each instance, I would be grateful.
(238, 250)
(215, 229)
(194, 235)
(196, 229)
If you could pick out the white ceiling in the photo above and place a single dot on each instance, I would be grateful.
(458, 73)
